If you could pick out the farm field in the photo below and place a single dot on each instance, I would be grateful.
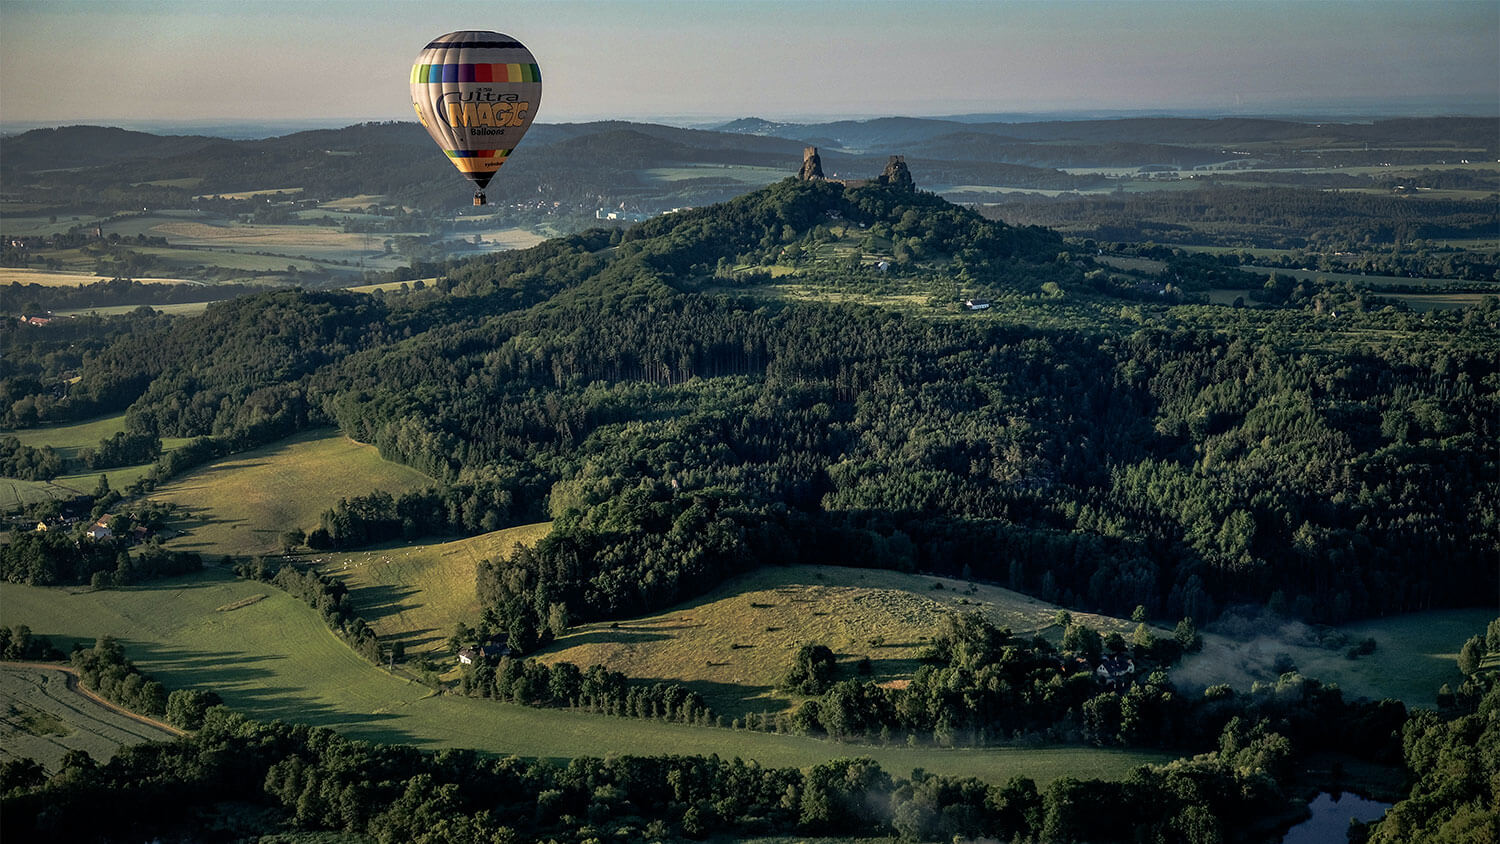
(51, 278)
(17, 494)
(414, 593)
(745, 174)
(179, 309)
(274, 658)
(1414, 655)
(242, 504)
(1419, 303)
(734, 644)
(42, 718)
(68, 440)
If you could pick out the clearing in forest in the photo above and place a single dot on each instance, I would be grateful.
(241, 505)
(735, 644)
(416, 593)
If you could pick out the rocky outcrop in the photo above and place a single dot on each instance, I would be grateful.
(812, 166)
(896, 174)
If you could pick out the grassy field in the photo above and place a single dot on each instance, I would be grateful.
(414, 593)
(41, 718)
(745, 174)
(734, 644)
(49, 278)
(68, 440)
(250, 194)
(17, 494)
(179, 309)
(1414, 655)
(274, 658)
(352, 203)
(242, 504)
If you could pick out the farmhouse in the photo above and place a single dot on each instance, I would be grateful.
(1115, 671)
(485, 653)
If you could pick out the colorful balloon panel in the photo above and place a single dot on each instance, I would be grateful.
(476, 93)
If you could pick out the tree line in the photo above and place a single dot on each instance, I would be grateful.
(313, 779)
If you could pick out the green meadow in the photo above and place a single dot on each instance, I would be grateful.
(1414, 655)
(415, 593)
(241, 505)
(734, 644)
(272, 657)
(68, 441)
(42, 719)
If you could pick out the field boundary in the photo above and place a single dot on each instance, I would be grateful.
(75, 684)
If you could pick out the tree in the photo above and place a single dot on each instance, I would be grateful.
(186, 708)
(812, 670)
(21, 774)
(1186, 634)
(1471, 655)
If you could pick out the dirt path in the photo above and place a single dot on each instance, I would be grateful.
(74, 685)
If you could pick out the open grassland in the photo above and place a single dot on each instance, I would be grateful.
(354, 203)
(250, 194)
(312, 241)
(17, 494)
(179, 309)
(744, 174)
(416, 593)
(19, 223)
(68, 440)
(1414, 655)
(42, 718)
(50, 278)
(736, 643)
(501, 238)
(388, 285)
(1418, 302)
(241, 505)
(274, 658)
(1424, 302)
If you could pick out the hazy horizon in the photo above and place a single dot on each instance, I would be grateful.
(170, 63)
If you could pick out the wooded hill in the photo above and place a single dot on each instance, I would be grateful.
(682, 426)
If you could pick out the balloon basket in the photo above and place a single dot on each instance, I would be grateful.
(479, 198)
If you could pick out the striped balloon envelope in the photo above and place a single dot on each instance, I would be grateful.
(476, 93)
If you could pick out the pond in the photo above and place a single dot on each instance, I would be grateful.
(1331, 813)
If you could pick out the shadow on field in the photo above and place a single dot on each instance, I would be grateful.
(736, 700)
(614, 635)
(414, 641)
(379, 601)
(239, 678)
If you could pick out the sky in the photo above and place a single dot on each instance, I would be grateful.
(332, 62)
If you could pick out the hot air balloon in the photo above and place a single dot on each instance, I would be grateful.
(476, 93)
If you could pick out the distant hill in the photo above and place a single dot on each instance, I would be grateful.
(888, 132)
(90, 146)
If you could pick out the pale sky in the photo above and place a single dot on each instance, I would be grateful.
(104, 61)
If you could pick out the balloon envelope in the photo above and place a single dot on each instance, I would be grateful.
(476, 93)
